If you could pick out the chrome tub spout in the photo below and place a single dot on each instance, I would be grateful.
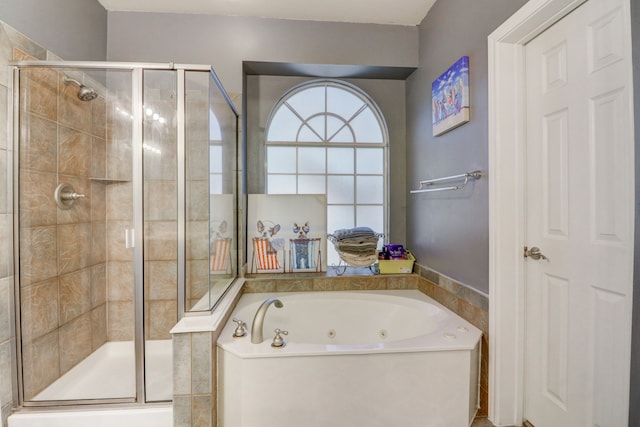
(258, 319)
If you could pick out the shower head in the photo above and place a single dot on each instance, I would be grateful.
(85, 93)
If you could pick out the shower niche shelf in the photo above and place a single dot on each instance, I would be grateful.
(110, 180)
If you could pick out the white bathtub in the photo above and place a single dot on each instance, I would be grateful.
(367, 358)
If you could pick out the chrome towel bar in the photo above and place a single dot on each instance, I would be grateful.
(427, 186)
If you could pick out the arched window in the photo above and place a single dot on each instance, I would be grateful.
(329, 137)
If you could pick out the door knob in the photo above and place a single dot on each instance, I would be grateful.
(534, 253)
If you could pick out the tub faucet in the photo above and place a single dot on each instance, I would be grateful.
(258, 319)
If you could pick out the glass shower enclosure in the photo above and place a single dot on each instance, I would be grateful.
(125, 196)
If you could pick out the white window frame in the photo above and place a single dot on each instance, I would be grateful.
(368, 103)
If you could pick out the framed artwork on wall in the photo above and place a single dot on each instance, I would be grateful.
(450, 97)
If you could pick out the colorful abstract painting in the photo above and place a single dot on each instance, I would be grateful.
(450, 97)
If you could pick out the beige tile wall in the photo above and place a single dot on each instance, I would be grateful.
(9, 38)
(62, 256)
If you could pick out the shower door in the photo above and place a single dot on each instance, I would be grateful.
(75, 201)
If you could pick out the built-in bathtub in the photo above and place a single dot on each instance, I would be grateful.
(364, 358)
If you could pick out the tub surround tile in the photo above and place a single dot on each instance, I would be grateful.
(38, 259)
(201, 355)
(181, 365)
(201, 411)
(294, 285)
(182, 411)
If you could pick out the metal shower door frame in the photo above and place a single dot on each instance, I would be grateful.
(137, 76)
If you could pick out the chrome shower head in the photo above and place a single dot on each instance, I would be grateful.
(85, 93)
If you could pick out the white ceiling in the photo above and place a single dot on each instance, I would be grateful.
(399, 12)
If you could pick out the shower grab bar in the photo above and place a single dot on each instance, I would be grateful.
(430, 182)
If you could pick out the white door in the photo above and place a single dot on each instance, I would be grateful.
(580, 210)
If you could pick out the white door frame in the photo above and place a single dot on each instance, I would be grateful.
(506, 202)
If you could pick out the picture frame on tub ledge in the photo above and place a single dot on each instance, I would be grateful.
(450, 98)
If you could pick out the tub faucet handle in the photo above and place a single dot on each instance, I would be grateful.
(278, 342)
(241, 328)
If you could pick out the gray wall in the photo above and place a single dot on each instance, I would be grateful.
(634, 398)
(225, 41)
(72, 29)
(449, 231)
(262, 92)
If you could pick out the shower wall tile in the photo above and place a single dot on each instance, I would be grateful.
(41, 363)
(40, 309)
(98, 326)
(163, 315)
(4, 182)
(99, 118)
(72, 111)
(37, 206)
(74, 152)
(160, 161)
(98, 285)
(98, 243)
(38, 254)
(197, 159)
(161, 201)
(198, 200)
(25, 46)
(75, 294)
(197, 272)
(7, 351)
(6, 245)
(163, 280)
(120, 315)
(40, 92)
(117, 150)
(6, 310)
(75, 342)
(98, 202)
(119, 202)
(74, 247)
(197, 244)
(38, 147)
(98, 157)
(160, 244)
(120, 279)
